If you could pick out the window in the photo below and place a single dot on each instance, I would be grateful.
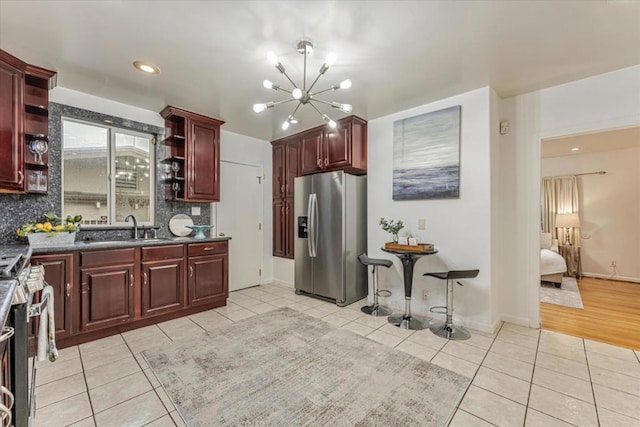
(108, 173)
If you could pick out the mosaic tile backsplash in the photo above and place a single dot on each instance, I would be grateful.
(16, 209)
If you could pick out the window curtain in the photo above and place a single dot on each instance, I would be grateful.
(559, 195)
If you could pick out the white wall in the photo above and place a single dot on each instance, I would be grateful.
(609, 209)
(459, 228)
(601, 102)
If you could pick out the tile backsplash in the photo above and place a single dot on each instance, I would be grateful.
(16, 209)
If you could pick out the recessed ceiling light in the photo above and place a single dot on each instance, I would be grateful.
(147, 67)
(575, 149)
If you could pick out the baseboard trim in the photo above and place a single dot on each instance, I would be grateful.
(522, 321)
(609, 277)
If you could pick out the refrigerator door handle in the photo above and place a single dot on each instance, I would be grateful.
(310, 225)
(316, 228)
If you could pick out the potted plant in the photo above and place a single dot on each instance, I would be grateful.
(392, 226)
(51, 230)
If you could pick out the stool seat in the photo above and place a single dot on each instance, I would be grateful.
(376, 309)
(364, 259)
(447, 329)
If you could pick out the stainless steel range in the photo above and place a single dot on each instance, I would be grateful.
(15, 269)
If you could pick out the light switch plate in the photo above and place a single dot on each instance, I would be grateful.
(422, 224)
(195, 210)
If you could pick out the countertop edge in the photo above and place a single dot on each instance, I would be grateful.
(7, 289)
(97, 245)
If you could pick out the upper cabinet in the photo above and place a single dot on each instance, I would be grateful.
(192, 156)
(286, 166)
(343, 148)
(24, 125)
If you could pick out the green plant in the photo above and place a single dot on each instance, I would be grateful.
(51, 224)
(391, 226)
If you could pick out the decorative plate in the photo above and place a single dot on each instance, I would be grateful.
(178, 225)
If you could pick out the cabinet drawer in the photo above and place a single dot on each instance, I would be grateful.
(108, 257)
(162, 252)
(207, 248)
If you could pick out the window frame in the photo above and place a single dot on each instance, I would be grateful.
(111, 170)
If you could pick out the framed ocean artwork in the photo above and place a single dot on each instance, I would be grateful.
(426, 156)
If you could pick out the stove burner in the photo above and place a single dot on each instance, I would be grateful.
(12, 260)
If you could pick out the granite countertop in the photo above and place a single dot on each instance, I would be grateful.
(7, 287)
(115, 244)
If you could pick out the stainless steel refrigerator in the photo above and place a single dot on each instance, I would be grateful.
(330, 232)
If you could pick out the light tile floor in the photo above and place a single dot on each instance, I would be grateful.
(520, 376)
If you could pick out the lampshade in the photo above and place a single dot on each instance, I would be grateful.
(567, 220)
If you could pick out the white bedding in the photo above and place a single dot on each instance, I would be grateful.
(551, 262)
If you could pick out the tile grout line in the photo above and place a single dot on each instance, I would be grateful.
(457, 407)
(93, 415)
(593, 392)
(533, 373)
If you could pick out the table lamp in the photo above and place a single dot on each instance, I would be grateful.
(567, 221)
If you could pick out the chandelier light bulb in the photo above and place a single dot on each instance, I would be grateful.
(331, 59)
(293, 120)
(285, 125)
(272, 58)
(296, 93)
(268, 84)
(347, 108)
(345, 84)
(332, 124)
(258, 108)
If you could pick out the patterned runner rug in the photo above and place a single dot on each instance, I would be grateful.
(284, 368)
(568, 295)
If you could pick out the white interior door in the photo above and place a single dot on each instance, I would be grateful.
(239, 215)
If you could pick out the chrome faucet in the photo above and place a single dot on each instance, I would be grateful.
(135, 225)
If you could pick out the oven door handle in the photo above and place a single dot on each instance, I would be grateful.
(7, 332)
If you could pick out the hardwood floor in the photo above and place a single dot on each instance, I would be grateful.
(611, 313)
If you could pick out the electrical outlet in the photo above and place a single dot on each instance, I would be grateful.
(425, 295)
(613, 264)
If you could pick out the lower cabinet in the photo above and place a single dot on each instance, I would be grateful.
(107, 296)
(59, 274)
(162, 279)
(208, 272)
(103, 292)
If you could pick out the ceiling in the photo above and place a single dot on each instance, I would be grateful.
(618, 139)
(398, 54)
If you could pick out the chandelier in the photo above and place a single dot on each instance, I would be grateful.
(304, 95)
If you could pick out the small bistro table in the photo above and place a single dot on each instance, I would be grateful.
(409, 259)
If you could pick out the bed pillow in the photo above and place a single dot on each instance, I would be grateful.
(545, 241)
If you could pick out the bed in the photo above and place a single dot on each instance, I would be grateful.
(552, 264)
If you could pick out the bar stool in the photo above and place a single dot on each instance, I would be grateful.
(448, 329)
(376, 309)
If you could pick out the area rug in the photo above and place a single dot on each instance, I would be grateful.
(284, 368)
(567, 295)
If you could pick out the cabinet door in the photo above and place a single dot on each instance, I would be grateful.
(310, 153)
(203, 164)
(279, 237)
(107, 296)
(337, 148)
(292, 155)
(208, 279)
(289, 231)
(58, 272)
(162, 286)
(279, 173)
(11, 136)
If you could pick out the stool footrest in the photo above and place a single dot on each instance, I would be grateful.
(384, 293)
(442, 309)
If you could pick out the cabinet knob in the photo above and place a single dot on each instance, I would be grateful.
(131, 280)
(319, 163)
(282, 188)
(326, 162)
(190, 271)
(68, 289)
